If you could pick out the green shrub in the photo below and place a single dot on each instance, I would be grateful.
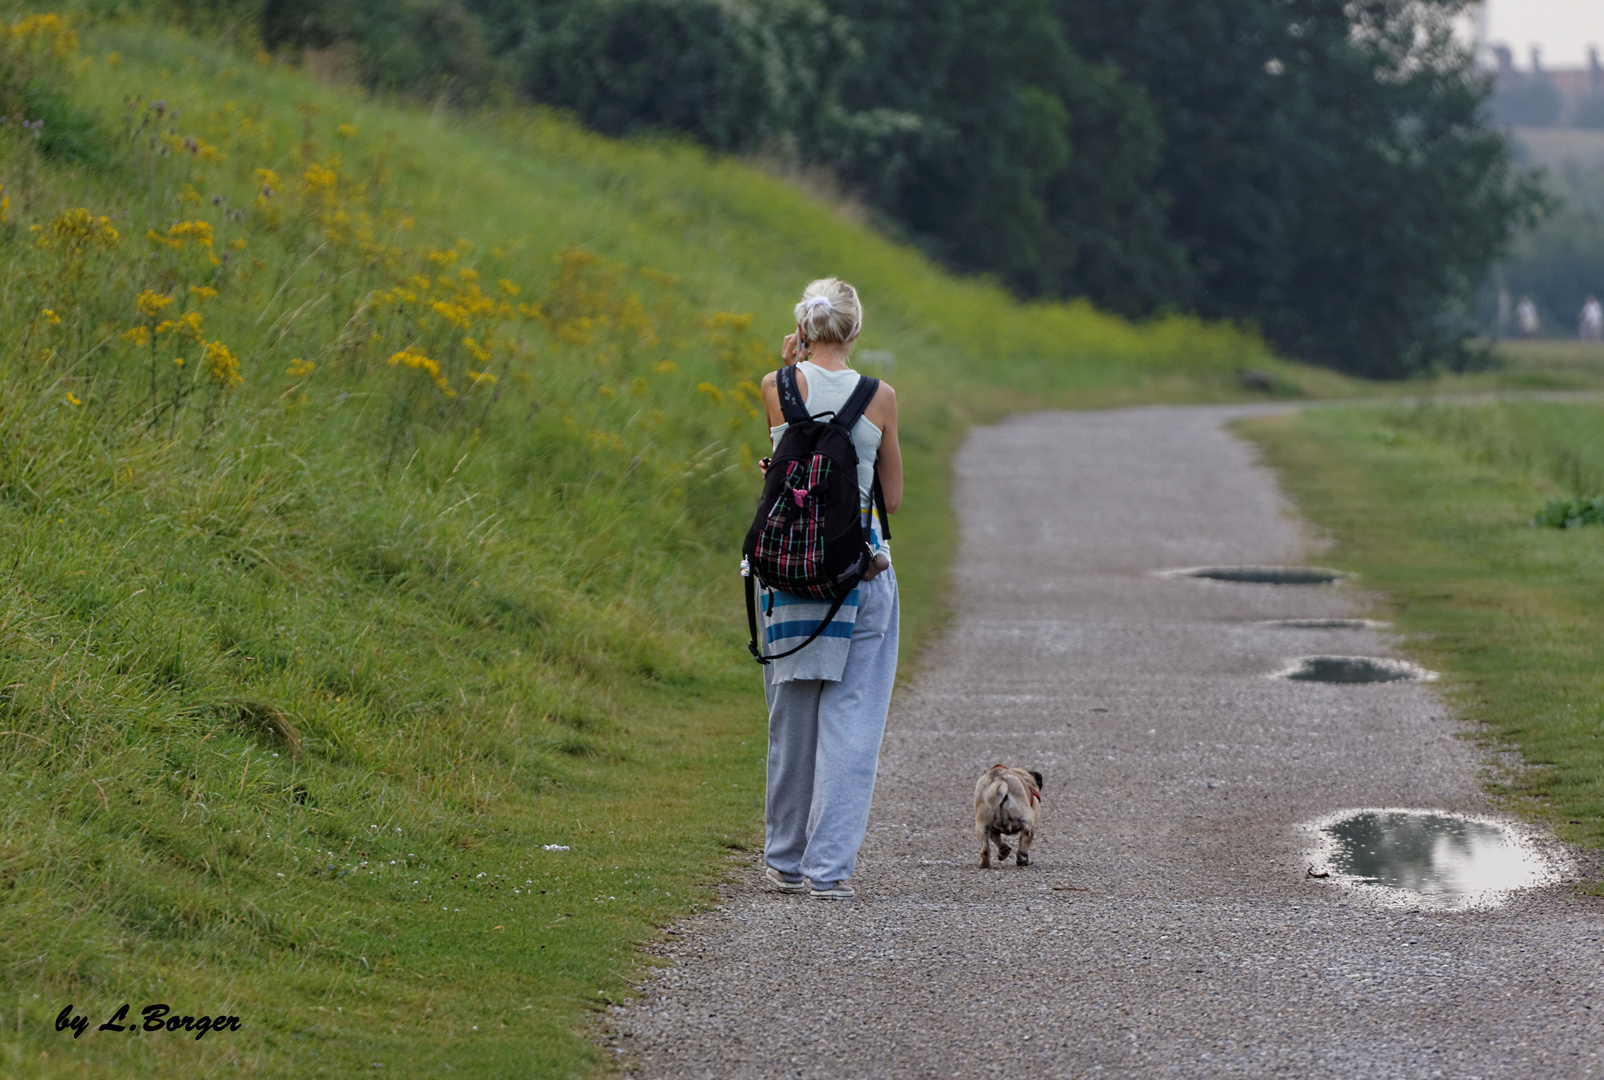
(1571, 513)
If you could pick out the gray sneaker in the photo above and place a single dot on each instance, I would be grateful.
(776, 879)
(838, 890)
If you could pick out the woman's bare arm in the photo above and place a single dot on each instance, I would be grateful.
(771, 387)
(882, 413)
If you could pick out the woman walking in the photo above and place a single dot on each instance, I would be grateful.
(828, 701)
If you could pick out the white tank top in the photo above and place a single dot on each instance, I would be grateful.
(828, 391)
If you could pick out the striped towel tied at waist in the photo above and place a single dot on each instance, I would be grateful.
(787, 621)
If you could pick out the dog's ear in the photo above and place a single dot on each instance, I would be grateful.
(1036, 776)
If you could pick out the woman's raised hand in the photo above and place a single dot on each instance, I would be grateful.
(788, 350)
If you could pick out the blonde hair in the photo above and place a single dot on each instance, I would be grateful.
(829, 311)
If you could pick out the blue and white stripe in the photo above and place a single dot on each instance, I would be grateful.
(793, 618)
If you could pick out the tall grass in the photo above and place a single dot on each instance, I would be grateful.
(369, 482)
(1560, 448)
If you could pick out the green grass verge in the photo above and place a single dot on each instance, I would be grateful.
(1551, 365)
(1432, 506)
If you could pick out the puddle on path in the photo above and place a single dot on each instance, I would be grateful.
(1326, 624)
(1263, 575)
(1428, 857)
(1353, 669)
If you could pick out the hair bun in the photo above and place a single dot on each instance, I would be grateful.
(829, 311)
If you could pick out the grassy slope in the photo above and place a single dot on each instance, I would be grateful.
(1432, 505)
(503, 636)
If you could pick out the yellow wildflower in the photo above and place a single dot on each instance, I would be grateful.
(711, 391)
(44, 29)
(198, 231)
(299, 367)
(197, 147)
(73, 232)
(51, 318)
(221, 365)
(203, 292)
(178, 361)
(606, 391)
(443, 258)
(72, 400)
(665, 367)
(113, 59)
(509, 288)
(186, 325)
(476, 350)
(5, 205)
(415, 360)
(150, 303)
(237, 244)
(481, 377)
(139, 335)
(347, 130)
(452, 313)
(190, 195)
(319, 178)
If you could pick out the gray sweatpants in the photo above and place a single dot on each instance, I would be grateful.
(824, 744)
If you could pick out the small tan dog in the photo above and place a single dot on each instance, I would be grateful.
(1005, 805)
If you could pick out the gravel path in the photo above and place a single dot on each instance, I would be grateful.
(1176, 778)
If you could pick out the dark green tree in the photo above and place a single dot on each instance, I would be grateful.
(738, 75)
(419, 48)
(1021, 160)
(1328, 165)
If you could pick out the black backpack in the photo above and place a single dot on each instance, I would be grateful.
(808, 537)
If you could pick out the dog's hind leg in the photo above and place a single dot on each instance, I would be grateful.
(1003, 850)
(1025, 837)
(984, 834)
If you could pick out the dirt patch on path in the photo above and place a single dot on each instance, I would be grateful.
(1167, 926)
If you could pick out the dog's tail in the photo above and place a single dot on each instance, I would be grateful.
(993, 798)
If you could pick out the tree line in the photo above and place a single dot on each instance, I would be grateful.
(1322, 169)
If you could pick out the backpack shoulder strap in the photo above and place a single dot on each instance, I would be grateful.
(862, 394)
(790, 396)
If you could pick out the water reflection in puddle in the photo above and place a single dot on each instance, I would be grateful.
(1262, 575)
(1326, 624)
(1439, 859)
(1353, 669)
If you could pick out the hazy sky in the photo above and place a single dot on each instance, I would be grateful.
(1562, 28)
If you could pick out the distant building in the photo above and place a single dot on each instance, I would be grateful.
(1547, 97)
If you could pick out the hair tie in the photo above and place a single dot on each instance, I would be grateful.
(812, 302)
